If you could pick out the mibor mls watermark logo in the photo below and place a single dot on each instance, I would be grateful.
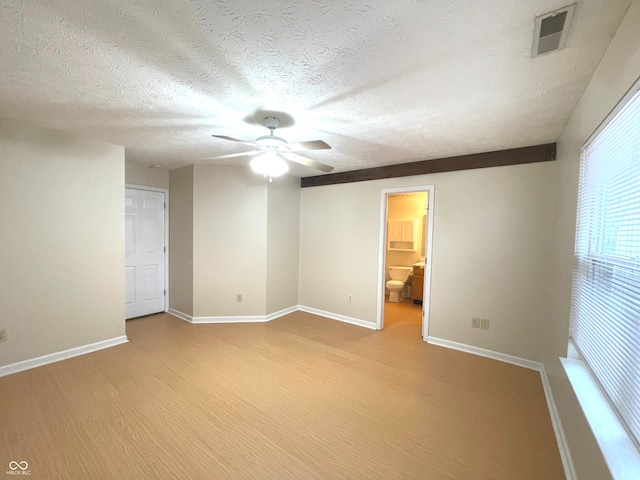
(18, 468)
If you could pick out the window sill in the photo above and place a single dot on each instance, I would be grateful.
(619, 451)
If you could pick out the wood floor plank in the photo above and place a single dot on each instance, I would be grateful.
(302, 397)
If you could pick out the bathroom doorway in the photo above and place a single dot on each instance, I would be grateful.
(405, 246)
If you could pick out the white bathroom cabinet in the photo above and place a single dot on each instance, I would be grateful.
(401, 235)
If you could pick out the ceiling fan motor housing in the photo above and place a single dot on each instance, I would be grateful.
(271, 123)
(271, 140)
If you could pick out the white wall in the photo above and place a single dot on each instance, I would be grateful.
(181, 240)
(229, 241)
(62, 241)
(618, 70)
(338, 248)
(149, 177)
(232, 232)
(491, 252)
(283, 243)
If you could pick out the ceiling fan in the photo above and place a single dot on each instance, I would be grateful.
(270, 150)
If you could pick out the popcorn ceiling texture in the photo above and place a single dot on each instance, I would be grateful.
(383, 82)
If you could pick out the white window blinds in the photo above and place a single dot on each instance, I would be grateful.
(605, 310)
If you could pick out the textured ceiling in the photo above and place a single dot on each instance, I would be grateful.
(383, 82)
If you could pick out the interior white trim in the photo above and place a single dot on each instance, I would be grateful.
(180, 315)
(561, 439)
(233, 319)
(382, 249)
(281, 313)
(428, 255)
(616, 443)
(272, 316)
(503, 357)
(59, 356)
(337, 316)
(166, 234)
(145, 187)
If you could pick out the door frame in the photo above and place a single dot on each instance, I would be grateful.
(428, 253)
(165, 192)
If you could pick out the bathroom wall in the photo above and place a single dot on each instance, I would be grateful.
(407, 206)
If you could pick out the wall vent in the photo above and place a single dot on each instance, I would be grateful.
(550, 32)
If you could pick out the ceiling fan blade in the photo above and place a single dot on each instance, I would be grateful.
(310, 145)
(232, 155)
(231, 139)
(307, 162)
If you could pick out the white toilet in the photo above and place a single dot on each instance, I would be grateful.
(399, 275)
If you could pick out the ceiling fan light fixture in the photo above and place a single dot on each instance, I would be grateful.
(269, 164)
(276, 150)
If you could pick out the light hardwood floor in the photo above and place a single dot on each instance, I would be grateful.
(301, 397)
(404, 312)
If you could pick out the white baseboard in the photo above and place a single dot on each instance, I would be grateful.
(337, 316)
(233, 319)
(272, 316)
(58, 356)
(561, 439)
(282, 313)
(180, 315)
(503, 357)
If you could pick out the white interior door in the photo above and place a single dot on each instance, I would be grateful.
(144, 252)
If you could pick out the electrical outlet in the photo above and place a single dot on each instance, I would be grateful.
(484, 324)
(475, 322)
(3, 335)
(349, 298)
(239, 297)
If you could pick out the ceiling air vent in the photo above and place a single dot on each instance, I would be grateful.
(550, 30)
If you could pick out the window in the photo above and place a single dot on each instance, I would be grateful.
(605, 308)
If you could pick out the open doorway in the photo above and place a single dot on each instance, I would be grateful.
(404, 265)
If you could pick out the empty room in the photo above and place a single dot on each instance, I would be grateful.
(320, 240)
